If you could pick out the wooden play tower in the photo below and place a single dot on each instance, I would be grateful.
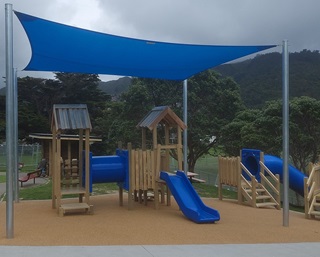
(163, 117)
(67, 175)
(146, 164)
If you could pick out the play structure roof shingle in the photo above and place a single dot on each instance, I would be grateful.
(71, 116)
(161, 114)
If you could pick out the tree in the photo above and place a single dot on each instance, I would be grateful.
(304, 131)
(238, 133)
(37, 97)
(79, 88)
(263, 130)
(213, 102)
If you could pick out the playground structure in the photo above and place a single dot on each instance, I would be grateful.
(255, 183)
(138, 170)
(257, 178)
(135, 170)
(312, 193)
(66, 176)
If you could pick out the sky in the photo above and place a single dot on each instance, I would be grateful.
(213, 22)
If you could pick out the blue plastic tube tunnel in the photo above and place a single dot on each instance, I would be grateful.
(110, 169)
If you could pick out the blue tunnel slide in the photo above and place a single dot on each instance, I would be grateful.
(251, 157)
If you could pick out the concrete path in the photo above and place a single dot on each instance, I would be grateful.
(221, 250)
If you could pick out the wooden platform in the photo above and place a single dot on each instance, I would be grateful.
(75, 207)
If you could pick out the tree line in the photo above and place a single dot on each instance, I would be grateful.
(215, 108)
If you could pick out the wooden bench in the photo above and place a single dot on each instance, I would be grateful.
(30, 175)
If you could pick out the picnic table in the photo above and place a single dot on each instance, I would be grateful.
(192, 176)
(30, 175)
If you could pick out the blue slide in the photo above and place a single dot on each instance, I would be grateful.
(251, 157)
(188, 200)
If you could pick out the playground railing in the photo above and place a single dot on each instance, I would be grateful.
(143, 169)
(229, 171)
(250, 185)
(311, 189)
(272, 181)
(144, 174)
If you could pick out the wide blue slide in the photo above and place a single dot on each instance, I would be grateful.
(187, 198)
(251, 157)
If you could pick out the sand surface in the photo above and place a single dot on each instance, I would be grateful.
(37, 224)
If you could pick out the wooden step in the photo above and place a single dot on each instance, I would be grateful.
(263, 197)
(75, 207)
(315, 213)
(267, 204)
(258, 190)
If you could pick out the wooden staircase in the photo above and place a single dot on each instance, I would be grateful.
(254, 193)
(314, 209)
(312, 193)
(257, 196)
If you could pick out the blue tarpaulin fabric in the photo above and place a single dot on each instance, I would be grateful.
(60, 48)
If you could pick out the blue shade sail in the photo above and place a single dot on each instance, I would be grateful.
(61, 48)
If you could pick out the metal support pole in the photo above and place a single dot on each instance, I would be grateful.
(285, 130)
(9, 119)
(185, 120)
(15, 138)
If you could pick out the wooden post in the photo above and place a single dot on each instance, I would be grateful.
(279, 191)
(167, 142)
(155, 138)
(261, 168)
(254, 191)
(239, 171)
(87, 166)
(157, 154)
(179, 148)
(220, 167)
(58, 169)
(80, 156)
(306, 201)
(131, 177)
(53, 167)
(144, 140)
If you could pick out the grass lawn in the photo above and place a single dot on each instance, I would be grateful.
(44, 191)
(2, 178)
(206, 167)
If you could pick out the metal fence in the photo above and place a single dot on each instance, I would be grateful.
(28, 155)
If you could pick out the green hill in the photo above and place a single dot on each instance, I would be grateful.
(115, 87)
(260, 78)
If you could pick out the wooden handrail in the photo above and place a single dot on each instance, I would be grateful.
(265, 168)
(246, 181)
(310, 194)
(270, 184)
(169, 146)
(247, 171)
(312, 173)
